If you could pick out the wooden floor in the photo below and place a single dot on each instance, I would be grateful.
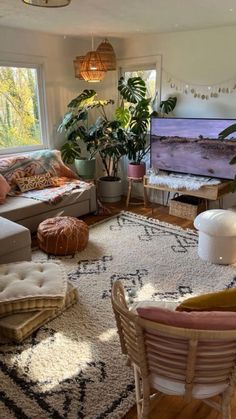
(169, 407)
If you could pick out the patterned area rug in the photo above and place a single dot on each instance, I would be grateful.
(72, 367)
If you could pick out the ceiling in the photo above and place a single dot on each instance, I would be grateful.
(119, 18)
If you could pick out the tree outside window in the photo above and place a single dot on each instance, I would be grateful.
(19, 108)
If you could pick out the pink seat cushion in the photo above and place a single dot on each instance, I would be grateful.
(214, 320)
(4, 189)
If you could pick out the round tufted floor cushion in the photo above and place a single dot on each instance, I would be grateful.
(62, 235)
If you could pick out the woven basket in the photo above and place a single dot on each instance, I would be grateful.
(186, 206)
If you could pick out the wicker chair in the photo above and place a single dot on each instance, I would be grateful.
(169, 360)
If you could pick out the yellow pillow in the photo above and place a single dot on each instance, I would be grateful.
(30, 183)
(216, 301)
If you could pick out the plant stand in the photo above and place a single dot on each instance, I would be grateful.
(131, 181)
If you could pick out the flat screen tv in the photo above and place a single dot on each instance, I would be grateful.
(192, 146)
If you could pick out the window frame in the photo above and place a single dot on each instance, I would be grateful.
(37, 65)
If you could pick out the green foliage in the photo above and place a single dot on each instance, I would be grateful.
(19, 114)
(133, 90)
(76, 127)
(136, 117)
(167, 106)
(222, 135)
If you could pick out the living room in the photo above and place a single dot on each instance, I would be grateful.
(72, 366)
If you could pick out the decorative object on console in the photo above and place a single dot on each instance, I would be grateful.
(47, 3)
(30, 183)
(62, 235)
(217, 236)
(177, 181)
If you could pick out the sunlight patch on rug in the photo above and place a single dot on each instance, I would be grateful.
(72, 367)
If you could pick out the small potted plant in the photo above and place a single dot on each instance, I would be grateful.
(82, 140)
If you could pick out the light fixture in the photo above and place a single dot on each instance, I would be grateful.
(92, 68)
(77, 66)
(47, 3)
(107, 54)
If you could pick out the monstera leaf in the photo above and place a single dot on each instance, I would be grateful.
(70, 151)
(133, 90)
(85, 98)
(168, 105)
(123, 116)
(227, 131)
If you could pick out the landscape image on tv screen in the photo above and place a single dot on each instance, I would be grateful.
(192, 146)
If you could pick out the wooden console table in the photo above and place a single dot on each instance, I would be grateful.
(207, 192)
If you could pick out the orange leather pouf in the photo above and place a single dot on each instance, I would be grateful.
(62, 235)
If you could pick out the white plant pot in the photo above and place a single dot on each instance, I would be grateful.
(109, 190)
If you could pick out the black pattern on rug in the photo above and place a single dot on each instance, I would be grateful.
(72, 367)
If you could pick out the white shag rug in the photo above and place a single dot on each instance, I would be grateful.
(72, 367)
(179, 181)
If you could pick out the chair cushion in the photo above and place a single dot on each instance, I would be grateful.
(202, 320)
(28, 286)
(17, 327)
(217, 301)
(62, 235)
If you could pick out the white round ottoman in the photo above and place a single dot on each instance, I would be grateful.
(217, 236)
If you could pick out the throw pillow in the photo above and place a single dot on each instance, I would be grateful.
(4, 189)
(216, 301)
(34, 182)
(195, 320)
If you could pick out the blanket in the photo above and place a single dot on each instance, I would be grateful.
(53, 195)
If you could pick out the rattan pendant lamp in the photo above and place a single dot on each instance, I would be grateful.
(92, 68)
(107, 54)
(47, 3)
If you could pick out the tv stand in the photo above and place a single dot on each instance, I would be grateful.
(207, 192)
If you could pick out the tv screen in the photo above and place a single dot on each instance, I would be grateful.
(192, 146)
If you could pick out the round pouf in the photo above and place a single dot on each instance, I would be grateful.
(217, 236)
(62, 235)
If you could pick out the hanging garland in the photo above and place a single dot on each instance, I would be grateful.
(201, 91)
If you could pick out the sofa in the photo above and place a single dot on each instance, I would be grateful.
(29, 208)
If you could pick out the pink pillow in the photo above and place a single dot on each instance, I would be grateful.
(204, 320)
(4, 189)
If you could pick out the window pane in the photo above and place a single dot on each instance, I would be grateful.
(19, 107)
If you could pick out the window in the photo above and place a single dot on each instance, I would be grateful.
(21, 108)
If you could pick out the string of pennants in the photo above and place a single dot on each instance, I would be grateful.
(204, 92)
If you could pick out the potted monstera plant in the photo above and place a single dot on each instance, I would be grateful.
(82, 138)
(134, 113)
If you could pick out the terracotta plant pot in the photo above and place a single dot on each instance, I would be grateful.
(136, 170)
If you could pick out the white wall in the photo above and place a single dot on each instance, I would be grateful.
(197, 57)
(56, 53)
